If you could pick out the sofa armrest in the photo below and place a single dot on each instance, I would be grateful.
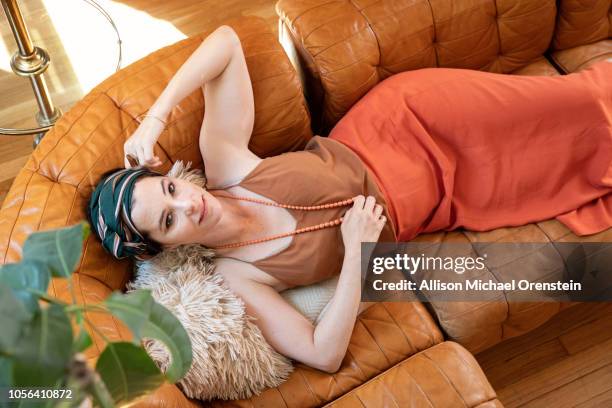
(445, 375)
(384, 335)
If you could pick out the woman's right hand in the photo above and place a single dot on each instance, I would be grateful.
(362, 223)
(140, 144)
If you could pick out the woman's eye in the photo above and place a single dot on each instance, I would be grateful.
(169, 220)
(171, 188)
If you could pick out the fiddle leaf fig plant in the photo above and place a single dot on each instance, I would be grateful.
(42, 337)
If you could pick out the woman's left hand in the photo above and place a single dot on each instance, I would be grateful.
(140, 144)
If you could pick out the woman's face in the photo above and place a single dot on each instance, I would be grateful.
(173, 211)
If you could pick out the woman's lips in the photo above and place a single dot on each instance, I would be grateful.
(203, 214)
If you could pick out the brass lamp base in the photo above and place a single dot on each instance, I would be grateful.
(33, 64)
(30, 61)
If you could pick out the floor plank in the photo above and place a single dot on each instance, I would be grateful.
(588, 334)
(563, 322)
(579, 391)
(565, 362)
(601, 400)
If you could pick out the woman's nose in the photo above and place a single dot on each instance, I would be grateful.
(188, 205)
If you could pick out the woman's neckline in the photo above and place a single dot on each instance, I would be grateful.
(297, 218)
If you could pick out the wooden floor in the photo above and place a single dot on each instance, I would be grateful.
(565, 363)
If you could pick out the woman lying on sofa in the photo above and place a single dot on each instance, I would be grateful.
(425, 150)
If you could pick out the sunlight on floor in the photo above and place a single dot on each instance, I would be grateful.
(5, 57)
(90, 42)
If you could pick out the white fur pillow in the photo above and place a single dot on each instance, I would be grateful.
(231, 358)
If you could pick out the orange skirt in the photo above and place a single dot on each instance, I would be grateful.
(462, 148)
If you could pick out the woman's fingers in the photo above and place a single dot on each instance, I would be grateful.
(369, 204)
(147, 153)
(141, 156)
(358, 202)
(378, 210)
(382, 220)
(150, 158)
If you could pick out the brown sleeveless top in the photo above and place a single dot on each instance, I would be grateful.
(325, 172)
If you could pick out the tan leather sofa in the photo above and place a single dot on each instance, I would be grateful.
(343, 48)
(398, 355)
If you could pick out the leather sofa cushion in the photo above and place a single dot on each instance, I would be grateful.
(385, 334)
(540, 66)
(347, 47)
(582, 56)
(582, 22)
(445, 375)
(478, 325)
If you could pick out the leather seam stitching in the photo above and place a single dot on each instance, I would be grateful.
(367, 26)
(59, 138)
(310, 9)
(381, 374)
(84, 142)
(435, 33)
(378, 64)
(18, 213)
(386, 389)
(375, 342)
(435, 364)
(42, 212)
(309, 387)
(399, 327)
(348, 352)
(420, 389)
(499, 40)
(280, 104)
(281, 395)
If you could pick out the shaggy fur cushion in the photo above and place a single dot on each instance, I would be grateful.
(231, 358)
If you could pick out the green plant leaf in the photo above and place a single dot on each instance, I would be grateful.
(133, 309)
(148, 319)
(14, 317)
(23, 276)
(82, 340)
(100, 394)
(59, 249)
(6, 372)
(44, 350)
(128, 371)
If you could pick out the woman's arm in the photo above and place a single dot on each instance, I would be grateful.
(219, 65)
(287, 330)
(293, 335)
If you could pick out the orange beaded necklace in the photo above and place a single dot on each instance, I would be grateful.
(328, 224)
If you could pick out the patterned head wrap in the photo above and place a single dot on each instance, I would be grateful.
(110, 208)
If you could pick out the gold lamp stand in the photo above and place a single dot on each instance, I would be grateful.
(30, 61)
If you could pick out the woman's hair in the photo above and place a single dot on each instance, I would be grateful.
(118, 235)
(145, 244)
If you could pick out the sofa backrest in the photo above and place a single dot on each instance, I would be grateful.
(346, 47)
(53, 188)
(582, 22)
